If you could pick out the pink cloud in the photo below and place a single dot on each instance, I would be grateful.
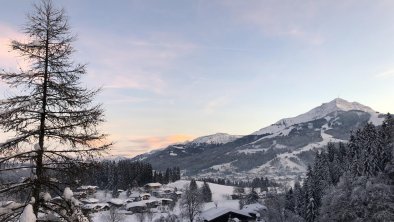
(130, 62)
(10, 59)
(139, 145)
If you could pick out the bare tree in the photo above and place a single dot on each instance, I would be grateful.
(191, 202)
(141, 216)
(113, 215)
(149, 214)
(51, 111)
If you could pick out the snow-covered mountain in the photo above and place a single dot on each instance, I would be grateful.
(281, 150)
(319, 112)
(218, 138)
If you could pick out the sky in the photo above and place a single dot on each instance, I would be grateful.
(175, 70)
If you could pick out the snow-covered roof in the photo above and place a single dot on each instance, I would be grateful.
(253, 208)
(136, 204)
(90, 200)
(87, 187)
(116, 201)
(149, 201)
(96, 205)
(135, 195)
(153, 184)
(217, 212)
(144, 194)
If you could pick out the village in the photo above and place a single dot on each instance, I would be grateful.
(154, 201)
(161, 202)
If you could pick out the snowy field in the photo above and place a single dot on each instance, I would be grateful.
(219, 192)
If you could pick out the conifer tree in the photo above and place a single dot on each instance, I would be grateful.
(290, 200)
(206, 192)
(298, 198)
(311, 210)
(52, 110)
(252, 197)
(387, 136)
(193, 184)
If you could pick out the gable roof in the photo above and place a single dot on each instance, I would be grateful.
(217, 212)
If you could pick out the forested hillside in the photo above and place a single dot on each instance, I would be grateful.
(347, 182)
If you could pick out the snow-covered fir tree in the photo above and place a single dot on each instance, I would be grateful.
(206, 192)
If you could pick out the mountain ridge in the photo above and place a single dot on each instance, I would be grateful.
(281, 150)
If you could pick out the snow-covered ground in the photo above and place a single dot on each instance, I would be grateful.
(290, 162)
(223, 167)
(219, 192)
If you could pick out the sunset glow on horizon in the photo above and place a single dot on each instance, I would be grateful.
(172, 71)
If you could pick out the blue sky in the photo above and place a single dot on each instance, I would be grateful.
(175, 70)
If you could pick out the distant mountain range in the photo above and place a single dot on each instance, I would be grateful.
(281, 151)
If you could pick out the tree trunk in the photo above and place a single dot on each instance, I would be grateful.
(39, 167)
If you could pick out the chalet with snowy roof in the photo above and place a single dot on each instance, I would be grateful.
(136, 207)
(225, 214)
(179, 193)
(145, 196)
(151, 203)
(166, 201)
(116, 202)
(135, 196)
(152, 186)
(80, 194)
(89, 200)
(96, 207)
(167, 190)
(89, 190)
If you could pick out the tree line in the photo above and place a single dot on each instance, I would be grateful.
(259, 182)
(125, 174)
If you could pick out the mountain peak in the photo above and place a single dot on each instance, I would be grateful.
(344, 105)
(321, 111)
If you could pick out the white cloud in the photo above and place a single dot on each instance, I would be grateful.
(213, 105)
(279, 18)
(386, 74)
